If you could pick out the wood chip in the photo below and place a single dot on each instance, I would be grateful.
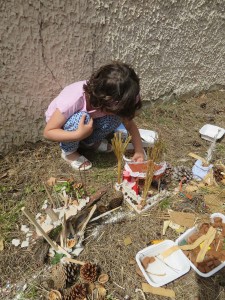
(195, 244)
(209, 238)
(169, 251)
(147, 288)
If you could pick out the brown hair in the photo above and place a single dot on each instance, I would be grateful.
(115, 88)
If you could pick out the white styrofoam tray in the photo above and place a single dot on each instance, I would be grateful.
(210, 132)
(192, 230)
(163, 270)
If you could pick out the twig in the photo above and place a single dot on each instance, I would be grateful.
(45, 236)
(118, 285)
(142, 293)
(217, 245)
(104, 214)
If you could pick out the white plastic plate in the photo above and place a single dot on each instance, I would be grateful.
(163, 271)
(192, 230)
(148, 136)
(210, 132)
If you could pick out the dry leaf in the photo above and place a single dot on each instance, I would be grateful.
(1, 244)
(132, 262)
(51, 181)
(138, 271)
(101, 291)
(147, 288)
(127, 241)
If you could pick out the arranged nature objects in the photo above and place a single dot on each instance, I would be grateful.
(57, 231)
(137, 178)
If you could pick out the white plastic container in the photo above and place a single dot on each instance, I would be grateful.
(210, 132)
(163, 270)
(192, 230)
(199, 171)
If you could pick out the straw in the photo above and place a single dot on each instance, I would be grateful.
(119, 147)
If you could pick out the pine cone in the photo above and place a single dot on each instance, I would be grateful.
(76, 292)
(217, 172)
(59, 276)
(180, 172)
(71, 271)
(89, 272)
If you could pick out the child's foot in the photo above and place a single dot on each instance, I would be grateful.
(77, 161)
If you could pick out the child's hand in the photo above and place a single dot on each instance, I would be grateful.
(84, 130)
(138, 157)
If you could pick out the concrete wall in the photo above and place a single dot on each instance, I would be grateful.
(175, 46)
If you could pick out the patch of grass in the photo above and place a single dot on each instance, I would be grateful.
(31, 293)
(9, 218)
(165, 204)
(220, 149)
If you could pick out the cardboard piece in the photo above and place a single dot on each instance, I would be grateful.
(182, 218)
(147, 288)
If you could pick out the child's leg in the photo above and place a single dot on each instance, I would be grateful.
(102, 127)
(69, 149)
(70, 125)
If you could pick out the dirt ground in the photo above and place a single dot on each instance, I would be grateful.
(23, 171)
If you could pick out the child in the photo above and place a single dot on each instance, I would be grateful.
(85, 112)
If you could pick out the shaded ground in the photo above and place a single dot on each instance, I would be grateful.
(23, 171)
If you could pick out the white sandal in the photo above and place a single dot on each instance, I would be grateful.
(77, 163)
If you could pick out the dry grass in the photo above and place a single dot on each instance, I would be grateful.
(23, 170)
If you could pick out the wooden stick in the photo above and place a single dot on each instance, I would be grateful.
(49, 196)
(72, 260)
(63, 232)
(88, 218)
(71, 228)
(45, 236)
(53, 216)
(104, 214)
(39, 228)
(210, 235)
(218, 245)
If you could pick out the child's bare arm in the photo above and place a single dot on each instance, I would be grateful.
(53, 129)
(136, 140)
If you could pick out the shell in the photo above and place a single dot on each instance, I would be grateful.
(54, 295)
(103, 278)
(71, 243)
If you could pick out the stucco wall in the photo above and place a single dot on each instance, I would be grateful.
(175, 46)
